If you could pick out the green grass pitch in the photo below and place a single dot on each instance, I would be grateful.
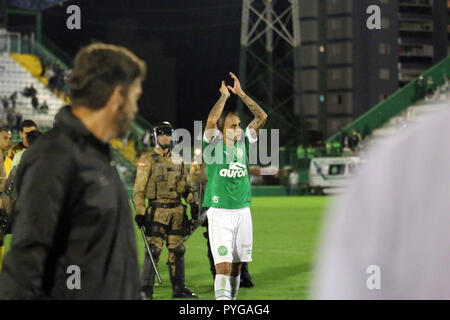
(285, 234)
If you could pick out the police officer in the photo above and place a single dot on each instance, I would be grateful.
(162, 179)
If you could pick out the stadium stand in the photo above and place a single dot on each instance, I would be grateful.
(14, 78)
(18, 71)
(407, 99)
(411, 115)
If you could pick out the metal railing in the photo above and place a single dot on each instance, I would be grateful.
(10, 42)
(396, 103)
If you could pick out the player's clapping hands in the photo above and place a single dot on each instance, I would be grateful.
(223, 90)
(236, 89)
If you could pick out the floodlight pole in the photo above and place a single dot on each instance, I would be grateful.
(266, 27)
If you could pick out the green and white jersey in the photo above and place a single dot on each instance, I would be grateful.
(228, 174)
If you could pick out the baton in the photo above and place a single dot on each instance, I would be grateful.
(150, 254)
(148, 249)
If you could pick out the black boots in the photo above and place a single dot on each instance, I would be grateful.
(147, 293)
(246, 279)
(148, 273)
(184, 293)
(176, 272)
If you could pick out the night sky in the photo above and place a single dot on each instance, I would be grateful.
(189, 47)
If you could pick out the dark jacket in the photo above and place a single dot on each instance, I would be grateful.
(72, 209)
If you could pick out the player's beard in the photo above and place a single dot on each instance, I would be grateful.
(123, 121)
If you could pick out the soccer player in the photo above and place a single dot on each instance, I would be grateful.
(228, 192)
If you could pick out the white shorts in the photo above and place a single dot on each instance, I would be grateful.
(230, 234)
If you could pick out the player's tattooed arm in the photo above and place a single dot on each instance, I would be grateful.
(216, 111)
(260, 116)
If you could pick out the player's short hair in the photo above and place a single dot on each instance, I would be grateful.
(27, 124)
(223, 117)
(98, 69)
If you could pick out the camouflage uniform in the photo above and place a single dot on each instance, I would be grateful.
(162, 180)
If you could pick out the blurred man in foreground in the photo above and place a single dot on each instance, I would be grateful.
(73, 233)
(388, 236)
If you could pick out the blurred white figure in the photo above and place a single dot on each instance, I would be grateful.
(388, 237)
(293, 182)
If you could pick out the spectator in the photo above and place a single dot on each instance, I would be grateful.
(293, 182)
(345, 143)
(311, 152)
(43, 67)
(344, 138)
(56, 78)
(301, 152)
(18, 120)
(3, 41)
(337, 148)
(320, 150)
(44, 107)
(26, 92)
(430, 87)
(59, 73)
(5, 144)
(302, 160)
(31, 137)
(329, 148)
(355, 141)
(50, 75)
(29, 91)
(9, 196)
(26, 44)
(13, 98)
(420, 90)
(10, 118)
(25, 127)
(34, 103)
(5, 102)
